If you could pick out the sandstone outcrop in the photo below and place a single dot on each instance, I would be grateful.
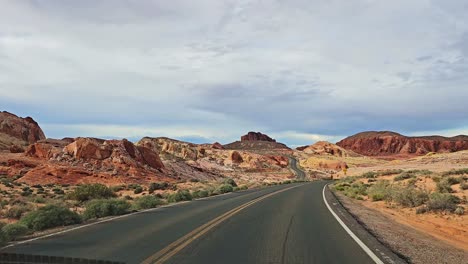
(17, 132)
(256, 136)
(326, 148)
(385, 143)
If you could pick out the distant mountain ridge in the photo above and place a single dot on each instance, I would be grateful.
(383, 143)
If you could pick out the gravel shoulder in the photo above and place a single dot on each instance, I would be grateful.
(415, 246)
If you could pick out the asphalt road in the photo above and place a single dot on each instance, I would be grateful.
(300, 175)
(293, 226)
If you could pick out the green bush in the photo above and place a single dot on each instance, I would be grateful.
(158, 186)
(200, 194)
(50, 216)
(117, 188)
(138, 190)
(243, 187)
(230, 182)
(443, 186)
(12, 231)
(147, 202)
(106, 207)
(16, 211)
(454, 180)
(409, 196)
(464, 185)
(88, 192)
(456, 172)
(390, 172)
(224, 188)
(369, 174)
(442, 202)
(180, 195)
(403, 176)
(380, 191)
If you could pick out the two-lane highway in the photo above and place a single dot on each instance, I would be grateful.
(291, 226)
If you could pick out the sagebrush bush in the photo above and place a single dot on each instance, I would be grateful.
(50, 216)
(456, 172)
(106, 207)
(138, 190)
(180, 195)
(17, 211)
(459, 210)
(230, 182)
(409, 196)
(158, 186)
(380, 191)
(12, 231)
(442, 202)
(369, 174)
(147, 202)
(464, 185)
(443, 186)
(88, 192)
(224, 188)
(200, 194)
(454, 180)
(390, 172)
(403, 176)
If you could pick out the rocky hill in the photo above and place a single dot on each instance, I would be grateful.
(386, 143)
(256, 141)
(326, 148)
(16, 132)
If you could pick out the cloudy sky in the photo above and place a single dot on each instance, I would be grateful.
(299, 70)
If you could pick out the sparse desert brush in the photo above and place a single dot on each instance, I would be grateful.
(444, 186)
(87, 192)
(17, 211)
(14, 230)
(405, 175)
(456, 172)
(50, 216)
(442, 202)
(158, 186)
(224, 188)
(380, 191)
(230, 182)
(369, 174)
(106, 207)
(464, 185)
(138, 190)
(200, 194)
(147, 202)
(180, 195)
(460, 210)
(390, 172)
(409, 196)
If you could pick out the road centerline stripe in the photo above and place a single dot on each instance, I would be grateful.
(169, 251)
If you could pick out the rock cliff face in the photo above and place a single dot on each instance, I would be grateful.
(17, 132)
(385, 143)
(256, 136)
(184, 150)
(326, 148)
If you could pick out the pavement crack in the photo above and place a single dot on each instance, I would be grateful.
(283, 255)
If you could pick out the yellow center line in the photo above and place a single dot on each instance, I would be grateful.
(166, 253)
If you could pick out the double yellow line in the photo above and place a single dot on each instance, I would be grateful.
(166, 253)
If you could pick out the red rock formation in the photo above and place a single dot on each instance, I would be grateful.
(326, 148)
(256, 136)
(217, 145)
(385, 143)
(14, 130)
(236, 157)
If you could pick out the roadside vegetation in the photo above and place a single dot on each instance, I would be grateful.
(29, 209)
(407, 189)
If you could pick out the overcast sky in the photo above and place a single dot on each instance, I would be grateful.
(205, 71)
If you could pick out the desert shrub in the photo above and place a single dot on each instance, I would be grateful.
(436, 179)
(380, 191)
(456, 172)
(17, 211)
(409, 196)
(412, 181)
(460, 210)
(454, 180)
(224, 188)
(420, 172)
(147, 202)
(87, 192)
(243, 187)
(158, 186)
(230, 182)
(180, 195)
(138, 190)
(443, 186)
(58, 191)
(200, 194)
(390, 172)
(442, 202)
(355, 190)
(403, 176)
(12, 231)
(369, 174)
(105, 207)
(194, 180)
(117, 188)
(50, 216)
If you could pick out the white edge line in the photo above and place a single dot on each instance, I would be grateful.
(108, 220)
(346, 228)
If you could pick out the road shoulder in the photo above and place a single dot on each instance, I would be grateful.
(383, 252)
